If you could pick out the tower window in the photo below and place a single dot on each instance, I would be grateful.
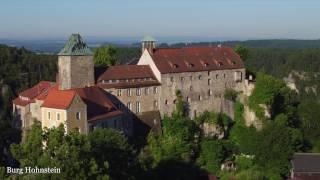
(188, 99)
(129, 92)
(200, 97)
(171, 79)
(166, 102)
(78, 115)
(138, 107)
(58, 116)
(49, 115)
(129, 105)
(200, 77)
(209, 92)
(119, 92)
(217, 76)
(138, 91)
(155, 104)
(155, 90)
(209, 81)
(147, 91)
(182, 78)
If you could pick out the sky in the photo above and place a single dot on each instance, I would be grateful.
(180, 19)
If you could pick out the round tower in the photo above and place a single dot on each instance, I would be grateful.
(148, 43)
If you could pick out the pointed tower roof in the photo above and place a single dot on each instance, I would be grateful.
(75, 47)
(148, 39)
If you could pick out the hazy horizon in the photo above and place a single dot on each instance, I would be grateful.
(180, 20)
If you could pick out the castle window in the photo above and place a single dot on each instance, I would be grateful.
(78, 115)
(119, 92)
(171, 79)
(166, 102)
(58, 116)
(209, 73)
(209, 81)
(217, 76)
(182, 78)
(147, 91)
(155, 104)
(155, 90)
(138, 91)
(129, 105)
(209, 92)
(129, 92)
(188, 99)
(138, 107)
(49, 115)
(174, 101)
(224, 75)
(200, 97)
(200, 77)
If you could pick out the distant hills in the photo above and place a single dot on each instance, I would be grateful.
(53, 46)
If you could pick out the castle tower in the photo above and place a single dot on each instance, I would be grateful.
(75, 64)
(148, 43)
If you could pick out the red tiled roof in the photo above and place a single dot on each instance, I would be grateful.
(36, 90)
(190, 59)
(124, 85)
(127, 72)
(28, 96)
(98, 104)
(105, 116)
(58, 99)
(20, 102)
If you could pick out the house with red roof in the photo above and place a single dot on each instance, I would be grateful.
(201, 74)
(73, 100)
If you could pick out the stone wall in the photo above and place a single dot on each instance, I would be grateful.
(202, 90)
(75, 71)
(72, 122)
(148, 98)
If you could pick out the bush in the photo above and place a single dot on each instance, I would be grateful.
(231, 95)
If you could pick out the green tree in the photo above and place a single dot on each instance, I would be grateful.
(110, 146)
(53, 148)
(309, 116)
(175, 143)
(212, 153)
(105, 56)
(242, 51)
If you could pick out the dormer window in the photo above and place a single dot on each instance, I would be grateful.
(190, 65)
(218, 63)
(205, 64)
(173, 65)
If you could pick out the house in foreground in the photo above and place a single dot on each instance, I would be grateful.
(305, 166)
(123, 93)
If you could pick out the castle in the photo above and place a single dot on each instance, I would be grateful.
(82, 100)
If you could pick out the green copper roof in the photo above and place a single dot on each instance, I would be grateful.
(148, 38)
(75, 47)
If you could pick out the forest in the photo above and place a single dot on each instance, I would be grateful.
(182, 150)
